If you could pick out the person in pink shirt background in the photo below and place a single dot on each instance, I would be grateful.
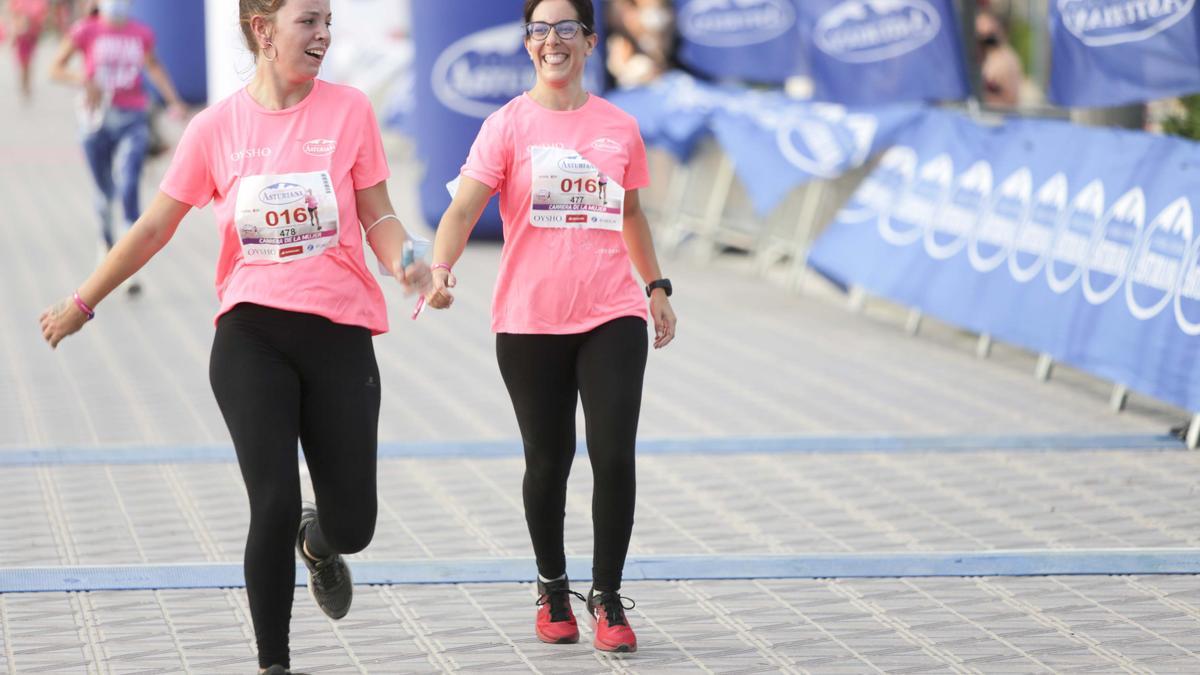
(292, 357)
(26, 18)
(116, 49)
(570, 320)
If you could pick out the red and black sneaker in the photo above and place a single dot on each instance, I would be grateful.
(607, 611)
(555, 620)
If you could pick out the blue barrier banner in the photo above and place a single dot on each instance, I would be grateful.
(865, 52)
(776, 143)
(1077, 242)
(750, 40)
(673, 112)
(1112, 52)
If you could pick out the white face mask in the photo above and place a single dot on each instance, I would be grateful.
(116, 10)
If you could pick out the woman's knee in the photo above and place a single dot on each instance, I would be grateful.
(350, 533)
(609, 467)
(274, 509)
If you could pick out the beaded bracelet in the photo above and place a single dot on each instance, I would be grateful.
(440, 266)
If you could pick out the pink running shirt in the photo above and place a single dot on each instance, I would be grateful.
(559, 280)
(114, 56)
(257, 165)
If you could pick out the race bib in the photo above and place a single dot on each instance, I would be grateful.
(570, 192)
(286, 217)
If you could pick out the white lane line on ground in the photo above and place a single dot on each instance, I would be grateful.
(1124, 619)
(984, 629)
(1064, 630)
(884, 618)
(10, 661)
(862, 658)
(399, 607)
(738, 628)
(499, 631)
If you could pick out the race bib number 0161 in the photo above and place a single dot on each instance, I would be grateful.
(570, 192)
(286, 217)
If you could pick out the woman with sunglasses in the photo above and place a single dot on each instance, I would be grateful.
(292, 357)
(570, 320)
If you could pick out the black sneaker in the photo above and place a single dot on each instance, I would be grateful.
(279, 670)
(329, 581)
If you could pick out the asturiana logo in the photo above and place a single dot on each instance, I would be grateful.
(864, 31)
(1154, 273)
(606, 144)
(735, 23)
(281, 193)
(1102, 23)
(576, 164)
(826, 141)
(477, 74)
(319, 147)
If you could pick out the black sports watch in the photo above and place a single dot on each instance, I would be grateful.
(664, 284)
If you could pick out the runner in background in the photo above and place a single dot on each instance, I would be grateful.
(26, 19)
(113, 107)
(292, 357)
(570, 320)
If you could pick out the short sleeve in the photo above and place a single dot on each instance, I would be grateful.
(637, 173)
(148, 39)
(490, 154)
(189, 179)
(80, 35)
(370, 164)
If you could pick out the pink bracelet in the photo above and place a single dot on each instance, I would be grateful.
(440, 266)
(91, 314)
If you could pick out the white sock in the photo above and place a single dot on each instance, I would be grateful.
(544, 580)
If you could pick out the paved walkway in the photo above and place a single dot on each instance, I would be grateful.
(796, 429)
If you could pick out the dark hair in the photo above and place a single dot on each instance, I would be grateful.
(248, 9)
(583, 10)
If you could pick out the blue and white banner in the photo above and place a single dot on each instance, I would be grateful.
(1113, 52)
(866, 52)
(1073, 241)
(674, 111)
(749, 40)
(776, 143)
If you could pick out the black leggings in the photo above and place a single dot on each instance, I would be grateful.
(543, 373)
(280, 376)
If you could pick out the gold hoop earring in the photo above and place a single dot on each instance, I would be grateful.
(264, 52)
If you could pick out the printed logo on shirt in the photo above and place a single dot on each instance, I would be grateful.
(575, 164)
(281, 193)
(319, 147)
(249, 153)
(606, 145)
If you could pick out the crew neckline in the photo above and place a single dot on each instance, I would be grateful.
(303, 103)
(586, 104)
